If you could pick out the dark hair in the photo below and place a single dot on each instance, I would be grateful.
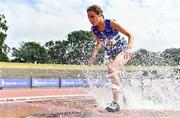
(95, 8)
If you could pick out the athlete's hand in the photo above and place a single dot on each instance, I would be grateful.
(128, 54)
(91, 60)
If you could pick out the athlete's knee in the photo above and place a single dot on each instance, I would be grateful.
(111, 69)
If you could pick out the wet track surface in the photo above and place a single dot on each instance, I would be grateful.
(67, 102)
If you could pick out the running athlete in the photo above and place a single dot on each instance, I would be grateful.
(117, 49)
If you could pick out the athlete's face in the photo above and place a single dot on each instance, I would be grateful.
(93, 17)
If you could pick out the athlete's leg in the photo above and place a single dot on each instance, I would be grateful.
(113, 70)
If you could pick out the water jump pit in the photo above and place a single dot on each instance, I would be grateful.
(64, 103)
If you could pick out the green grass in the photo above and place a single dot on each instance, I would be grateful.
(8, 65)
(61, 70)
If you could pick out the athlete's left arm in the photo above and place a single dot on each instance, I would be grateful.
(119, 28)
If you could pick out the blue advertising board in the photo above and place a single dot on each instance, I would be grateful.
(42, 82)
(12, 83)
(74, 83)
(45, 82)
(1, 85)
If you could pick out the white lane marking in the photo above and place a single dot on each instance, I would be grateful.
(34, 98)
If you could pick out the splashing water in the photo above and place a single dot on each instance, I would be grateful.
(155, 90)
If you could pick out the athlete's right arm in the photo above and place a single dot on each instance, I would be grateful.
(95, 51)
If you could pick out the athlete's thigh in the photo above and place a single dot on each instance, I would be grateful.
(119, 61)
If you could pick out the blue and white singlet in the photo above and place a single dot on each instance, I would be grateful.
(111, 39)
